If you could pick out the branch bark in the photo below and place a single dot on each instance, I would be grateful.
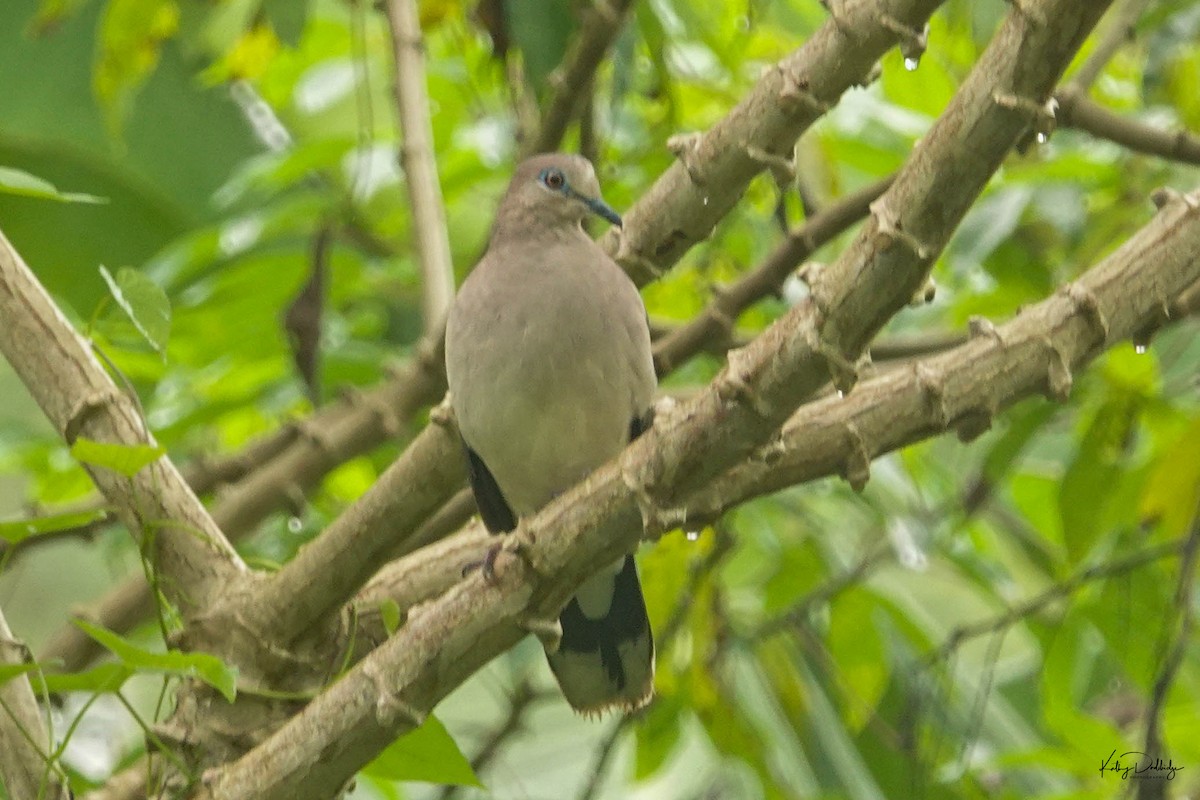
(714, 168)
(443, 642)
(1077, 111)
(25, 768)
(80, 399)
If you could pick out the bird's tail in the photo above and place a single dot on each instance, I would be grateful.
(606, 657)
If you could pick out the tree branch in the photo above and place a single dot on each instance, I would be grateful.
(1077, 111)
(445, 641)
(964, 388)
(729, 302)
(420, 167)
(713, 169)
(601, 24)
(82, 401)
(25, 768)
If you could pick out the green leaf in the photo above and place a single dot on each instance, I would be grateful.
(144, 302)
(203, 666)
(19, 182)
(389, 610)
(126, 459)
(857, 649)
(657, 735)
(541, 28)
(10, 671)
(1172, 491)
(1089, 484)
(132, 33)
(101, 678)
(19, 530)
(428, 754)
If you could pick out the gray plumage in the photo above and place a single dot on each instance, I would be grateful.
(550, 371)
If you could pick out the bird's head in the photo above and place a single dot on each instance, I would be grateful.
(555, 189)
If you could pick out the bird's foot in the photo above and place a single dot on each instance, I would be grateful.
(486, 565)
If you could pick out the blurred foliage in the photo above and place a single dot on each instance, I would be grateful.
(824, 643)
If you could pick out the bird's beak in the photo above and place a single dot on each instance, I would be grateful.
(601, 209)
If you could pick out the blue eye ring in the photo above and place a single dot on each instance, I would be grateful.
(553, 179)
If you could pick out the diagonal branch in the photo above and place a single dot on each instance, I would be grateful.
(713, 169)
(82, 401)
(1126, 294)
(444, 642)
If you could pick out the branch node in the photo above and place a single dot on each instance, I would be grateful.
(442, 414)
(856, 468)
(1058, 374)
(889, 227)
(925, 295)
(634, 260)
(974, 423)
(1086, 302)
(684, 146)
(932, 388)
(982, 326)
(912, 41)
(782, 167)
(389, 706)
(842, 370)
(795, 94)
(84, 408)
(733, 384)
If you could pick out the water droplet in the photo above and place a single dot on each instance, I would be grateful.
(1042, 138)
(706, 200)
(911, 63)
(295, 524)
(691, 536)
(1140, 348)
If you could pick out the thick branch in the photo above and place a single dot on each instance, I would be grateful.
(420, 167)
(323, 442)
(81, 400)
(963, 389)
(445, 641)
(730, 301)
(714, 168)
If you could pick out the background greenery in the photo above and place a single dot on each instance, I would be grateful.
(820, 647)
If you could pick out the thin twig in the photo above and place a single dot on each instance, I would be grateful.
(420, 168)
(524, 697)
(1117, 33)
(1182, 639)
(598, 30)
(1077, 111)
(1001, 622)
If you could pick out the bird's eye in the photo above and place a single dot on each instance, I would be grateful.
(553, 179)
